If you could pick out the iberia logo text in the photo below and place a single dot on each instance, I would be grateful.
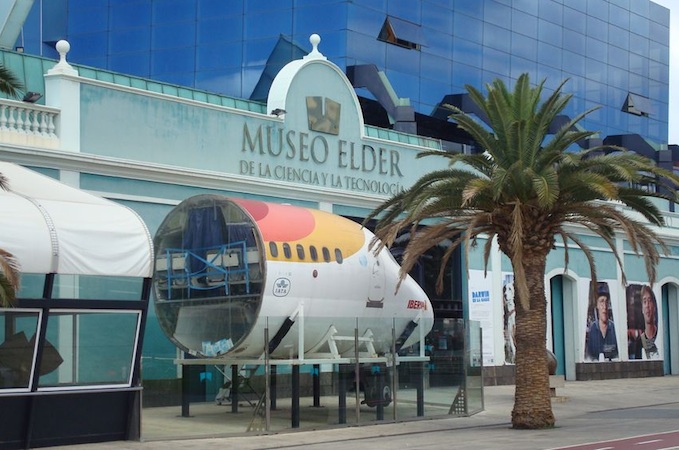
(416, 304)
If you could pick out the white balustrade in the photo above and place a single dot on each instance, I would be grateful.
(28, 124)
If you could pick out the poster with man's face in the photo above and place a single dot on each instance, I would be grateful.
(601, 343)
(642, 322)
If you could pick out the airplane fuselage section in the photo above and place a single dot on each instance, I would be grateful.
(229, 269)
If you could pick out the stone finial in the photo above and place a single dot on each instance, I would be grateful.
(63, 67)
(314, 53)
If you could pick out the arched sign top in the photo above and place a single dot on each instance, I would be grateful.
(314, 94)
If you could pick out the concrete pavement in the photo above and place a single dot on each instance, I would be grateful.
(586, 411)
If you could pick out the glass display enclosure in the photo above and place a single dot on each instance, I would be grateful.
(269, 394)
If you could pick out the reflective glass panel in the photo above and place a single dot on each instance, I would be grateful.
(598, 8)
(497, 14)
(130, 40)
(638, 44)
(467, 27)
(474, 368)
(127, 14)
(618, 16)
(574, 63)
(597, 29)
(496, 37)
(86, 348)
(18, 329)
(32, 285)
(639, 24)
(468, 52)
(217, 30)
(551, 11)
(658, 33)
(96, 287)
(618, 37)
(520, 66)
(438, 43)
(574, 20)
(549, 55)
(618, 57)
(437, 18)
(597, 49)
(524, 23)
(473, 9)
(172, 11)
(524, 46)
(550, 33)
(268, 24)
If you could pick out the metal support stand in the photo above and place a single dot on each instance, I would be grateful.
(342, 394)
(234, 388)
(295, 397)
(316, 377)
(186, 390)
(267, 381)
(379, 389)
(357, 376)
(420, 388)
(394, 372)
(274, 371)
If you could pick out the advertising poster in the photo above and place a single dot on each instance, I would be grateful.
(601, 343)
(642, 322)
(509, 317)
(481, 310)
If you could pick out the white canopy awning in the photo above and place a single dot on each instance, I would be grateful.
(54, 228)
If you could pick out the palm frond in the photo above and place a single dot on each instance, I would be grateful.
(7, 293)
(4, 183)
(588, 254)
(9, 83)
(9, 278)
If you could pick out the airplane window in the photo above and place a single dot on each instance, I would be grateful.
(300, 251)
(286, 250)
(273, 249)
(313, 253)
(326, 254)
(338, 256)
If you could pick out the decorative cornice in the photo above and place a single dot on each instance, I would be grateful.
(147, 171)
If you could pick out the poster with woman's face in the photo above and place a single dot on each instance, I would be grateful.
(601, 343)
(642, 322)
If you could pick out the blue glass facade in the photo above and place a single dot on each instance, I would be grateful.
(606, 48)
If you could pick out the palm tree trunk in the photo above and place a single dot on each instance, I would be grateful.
(532, 401)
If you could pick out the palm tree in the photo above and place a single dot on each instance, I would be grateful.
(9, 268)
(9, 83)
(528, 191)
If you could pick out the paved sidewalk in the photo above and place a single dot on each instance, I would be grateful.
(586, 411)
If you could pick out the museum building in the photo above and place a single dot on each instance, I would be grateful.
(154, 102)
